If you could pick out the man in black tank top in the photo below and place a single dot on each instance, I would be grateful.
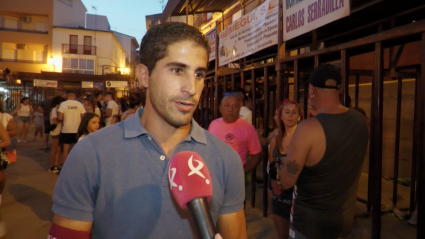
(324, 162)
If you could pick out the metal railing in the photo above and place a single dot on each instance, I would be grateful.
(78, 49)
(22, 30)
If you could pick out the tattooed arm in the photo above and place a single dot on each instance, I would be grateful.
(297, 154)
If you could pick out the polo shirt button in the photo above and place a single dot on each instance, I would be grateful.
(162, 157)
(149, 138)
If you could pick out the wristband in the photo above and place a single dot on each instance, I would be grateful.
(58, 232)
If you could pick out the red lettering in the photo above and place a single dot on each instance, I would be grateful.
(302, 17)
(328, 6)
(319, 12)
(315, 11)
(243, 22)
(333, 5)
(324, 8)
(336, 5)
(263, 10)
(341, 3)
(287, 24)
(237, 26)
(249, 19)
(309, 14)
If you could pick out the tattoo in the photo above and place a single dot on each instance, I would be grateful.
(292, 167)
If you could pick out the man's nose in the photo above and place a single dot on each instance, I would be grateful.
(189, 85)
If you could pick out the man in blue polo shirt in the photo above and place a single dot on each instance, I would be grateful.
(114, 183)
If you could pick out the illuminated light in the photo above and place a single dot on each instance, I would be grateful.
(18, 82)
(414, 21)
(127, 70)
(51, 61)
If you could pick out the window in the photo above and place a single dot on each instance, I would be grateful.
(78, 66)
(87, 45)
(73, 44)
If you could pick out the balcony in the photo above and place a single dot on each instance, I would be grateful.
(23, 30)
(78, 49)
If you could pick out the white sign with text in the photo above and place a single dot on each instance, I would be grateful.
(301, 16)
(252, 32)
(116, 84)
(211, 35)
(87, 84)
(45, 83)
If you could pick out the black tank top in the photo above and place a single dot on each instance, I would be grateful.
(286, 195)
(325, 194)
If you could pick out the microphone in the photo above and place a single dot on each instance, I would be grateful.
(191, 186)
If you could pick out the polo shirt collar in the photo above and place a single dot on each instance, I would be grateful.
(133, 128)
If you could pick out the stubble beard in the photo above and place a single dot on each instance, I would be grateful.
(166, 110)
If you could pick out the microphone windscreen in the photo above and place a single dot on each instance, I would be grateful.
(189, 178)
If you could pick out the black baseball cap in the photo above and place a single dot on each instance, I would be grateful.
(321, 74)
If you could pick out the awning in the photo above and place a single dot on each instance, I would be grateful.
(178, 7)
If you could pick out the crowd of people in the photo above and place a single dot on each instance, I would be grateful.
(118, 187)
(67, 120)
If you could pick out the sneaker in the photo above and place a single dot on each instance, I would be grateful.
(54, 169)
(414, 218)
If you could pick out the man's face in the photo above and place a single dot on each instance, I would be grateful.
(176, 83)
(107, 98)
(229, 109)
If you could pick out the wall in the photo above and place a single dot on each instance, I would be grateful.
(97, 22)
(125, 43)
(39, 44)
(108, 50)
(72, 15)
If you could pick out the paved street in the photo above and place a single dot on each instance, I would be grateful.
(27, 202)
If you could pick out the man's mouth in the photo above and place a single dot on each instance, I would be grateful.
(184, 103)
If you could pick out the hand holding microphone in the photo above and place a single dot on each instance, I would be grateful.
(191, 186)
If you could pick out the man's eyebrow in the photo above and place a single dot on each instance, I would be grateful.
(177, 64)
(182, 65)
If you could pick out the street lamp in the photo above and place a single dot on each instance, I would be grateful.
(127, 71)
(52, 62)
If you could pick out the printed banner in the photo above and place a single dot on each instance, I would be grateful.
(87, 84)
(116, 84)
(211, 35)
(252, 32)
(46, 83)
(301, 16)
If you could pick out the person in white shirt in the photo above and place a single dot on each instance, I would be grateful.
(244, 113)
(24, 112)
(70, 113)
(111, 109)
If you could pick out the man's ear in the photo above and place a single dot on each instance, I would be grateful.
(143, 76)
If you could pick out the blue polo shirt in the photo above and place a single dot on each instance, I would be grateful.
(117, 178)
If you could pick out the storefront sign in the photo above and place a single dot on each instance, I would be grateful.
(301, 16)
(87, 84)
(116, 84)
(45, 83)
(98, 85)
(211, 35)
(252, 32)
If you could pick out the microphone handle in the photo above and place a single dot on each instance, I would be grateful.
(201, 216)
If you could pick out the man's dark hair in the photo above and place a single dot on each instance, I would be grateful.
(57, 100)
(111, 94)
(157, 40)
(97, 94)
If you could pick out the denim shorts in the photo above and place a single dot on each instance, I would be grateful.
(24, 120)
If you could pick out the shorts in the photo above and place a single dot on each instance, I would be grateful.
(24, 120)
(68, 138)
(281, 209)
(47, 126)
(55, 136)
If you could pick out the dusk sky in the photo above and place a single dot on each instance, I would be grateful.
(126, 16)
